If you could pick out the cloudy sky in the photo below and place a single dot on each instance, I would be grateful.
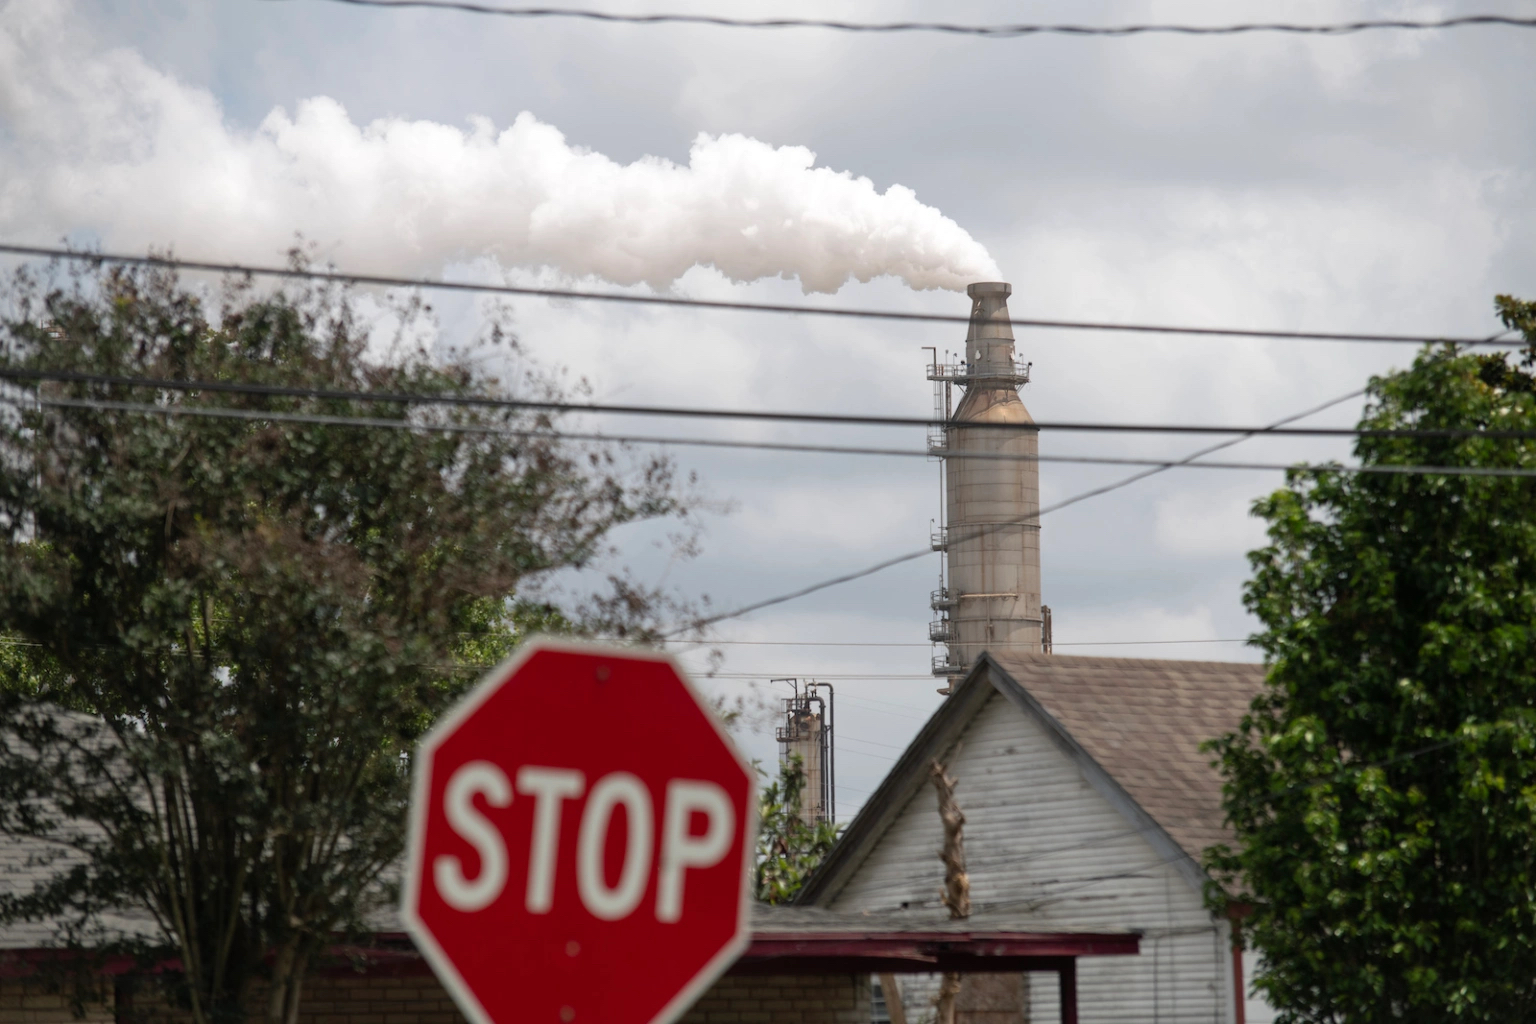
(1375, 182)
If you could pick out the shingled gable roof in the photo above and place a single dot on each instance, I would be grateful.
(1133, 726)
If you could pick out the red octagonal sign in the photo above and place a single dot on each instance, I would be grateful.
(580, 841)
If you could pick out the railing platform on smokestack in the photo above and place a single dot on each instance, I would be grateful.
(938, 441)
(939, 539)
(943, 666)
(966, 374)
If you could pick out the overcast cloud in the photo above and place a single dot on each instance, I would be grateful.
(1373, 182)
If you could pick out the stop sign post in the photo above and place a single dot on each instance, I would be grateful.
(580, 842)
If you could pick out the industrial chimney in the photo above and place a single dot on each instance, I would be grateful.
(989, 597)
(806, 737)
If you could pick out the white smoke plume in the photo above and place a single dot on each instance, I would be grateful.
(98, 141)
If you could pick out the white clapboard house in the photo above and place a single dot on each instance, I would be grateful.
(1088, 803)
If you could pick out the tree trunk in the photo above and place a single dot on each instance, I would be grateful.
(288, 968)
(949, 990)
(957, 884)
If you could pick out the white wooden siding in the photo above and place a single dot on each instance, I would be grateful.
(1044, 850)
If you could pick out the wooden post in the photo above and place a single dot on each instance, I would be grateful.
(1239, 1009)
(1068, 986)
(1235, 914)
(122, 999)
(893, 1004)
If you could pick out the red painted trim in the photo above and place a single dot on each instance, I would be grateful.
(768, 953)
(1240, 996)
(931, 944)
(1236, 912)
(927, 946)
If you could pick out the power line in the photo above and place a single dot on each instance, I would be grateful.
(756, 415)
(380, 423)
(872, 743)
(701, 644)
(1141, 643)
(376, 423)
(1135, 477)
(1006, 31)
(368, 422)
(983, 530)
(866, 676)
(387, 281)
(265, 416)
(1095, 492)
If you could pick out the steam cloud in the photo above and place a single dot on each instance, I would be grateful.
(99, 141)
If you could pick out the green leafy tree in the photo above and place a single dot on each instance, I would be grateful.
(252, 621)
(788, 846)
(1383, 786)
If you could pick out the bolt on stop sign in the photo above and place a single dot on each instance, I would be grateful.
(580, 841)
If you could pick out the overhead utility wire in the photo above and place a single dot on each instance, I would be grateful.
(693, 412)
(981, 531)
(1274, 427)
(1007, 31)
(701, 644)
(387, 281)
(258, 415)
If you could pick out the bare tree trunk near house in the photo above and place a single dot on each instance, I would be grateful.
(957, 884)
(287, 984)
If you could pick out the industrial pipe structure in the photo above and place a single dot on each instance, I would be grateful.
(807, 734)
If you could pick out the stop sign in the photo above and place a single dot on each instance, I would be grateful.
(580, 842)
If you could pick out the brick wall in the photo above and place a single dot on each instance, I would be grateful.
(327, 1000)
(785, 999)
(364, 1000)
(797, 999)
(28, 1002)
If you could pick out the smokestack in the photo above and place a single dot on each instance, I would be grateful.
(990, 594)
